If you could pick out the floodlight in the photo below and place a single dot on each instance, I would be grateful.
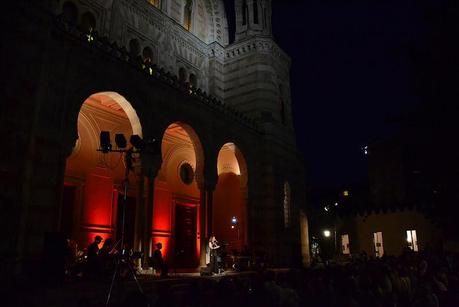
(120, 140)
(105, 143)
(137, 142)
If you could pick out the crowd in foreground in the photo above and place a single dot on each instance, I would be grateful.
(412, 280)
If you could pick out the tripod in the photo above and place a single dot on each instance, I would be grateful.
(124, 258)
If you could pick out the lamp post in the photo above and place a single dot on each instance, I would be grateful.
(327, 234)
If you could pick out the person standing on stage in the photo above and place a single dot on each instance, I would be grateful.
(93, 264)
(213, 245)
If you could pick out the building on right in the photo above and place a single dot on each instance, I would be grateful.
(409, 199)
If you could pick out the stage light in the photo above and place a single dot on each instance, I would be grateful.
(120, 141)
(105, 143)
(137, 142)
(234, 221)
(327, 233)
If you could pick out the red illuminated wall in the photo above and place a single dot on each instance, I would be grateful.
(99, 207)
(162, 220)
(228, 202)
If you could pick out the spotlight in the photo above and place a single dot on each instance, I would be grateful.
(327, 233)
(234, 220)
(120, 141)
(105, 143)
(137, 142)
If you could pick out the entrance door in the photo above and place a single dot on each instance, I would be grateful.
(378, 242)
(345, 244)
(185, 236)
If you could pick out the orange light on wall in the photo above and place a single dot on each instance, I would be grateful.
(98, 200)
(165, 241)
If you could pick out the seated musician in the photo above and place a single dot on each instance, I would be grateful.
(213, 245)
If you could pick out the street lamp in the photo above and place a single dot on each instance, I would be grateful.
(327, 234)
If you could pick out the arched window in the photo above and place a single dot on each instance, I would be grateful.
(193, 80)
(281, 105)
(134, 47)
(147, 55)
(88, 22)
(156, 3)
(244, 12)
(255, 11)
(182, 74)
(187, 14)
(70, 12)
(287, 205)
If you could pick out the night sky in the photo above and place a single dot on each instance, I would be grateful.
(350, 76)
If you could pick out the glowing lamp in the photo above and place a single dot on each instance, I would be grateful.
(327, 233)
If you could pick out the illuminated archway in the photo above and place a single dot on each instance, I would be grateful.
(230, 198)
(177, 196)
(93, 180)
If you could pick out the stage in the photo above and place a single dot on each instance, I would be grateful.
(177, 289)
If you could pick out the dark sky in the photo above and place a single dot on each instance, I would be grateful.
(350, 73)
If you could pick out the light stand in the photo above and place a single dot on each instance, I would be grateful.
(106, 147)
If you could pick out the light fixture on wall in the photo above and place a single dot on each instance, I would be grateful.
(235, 225)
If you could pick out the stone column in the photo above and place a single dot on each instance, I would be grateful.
(139, 212)
(202, 227)
(148, 219)
(209, 204)
(151, 164)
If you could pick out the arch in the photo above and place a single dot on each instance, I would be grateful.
(155, 3)
(147, 55)
(245, 10)
(255, 12)
(182, 74)
(281, 104)
(230, 197)
(70, 12)
(134, 47)
(188, 14)
(193, 80)
(88, 22)
(287, 205)
(91, 178)
(176, 206)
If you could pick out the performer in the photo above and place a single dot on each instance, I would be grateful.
(93, 263)
(158, 262)
(213, 245)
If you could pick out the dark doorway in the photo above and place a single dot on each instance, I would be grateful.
(129, 224)
(68, 210)
(185, 236)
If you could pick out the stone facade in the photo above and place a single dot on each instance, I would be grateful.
(59, 53)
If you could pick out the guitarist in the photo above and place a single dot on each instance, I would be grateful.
(213, 245)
